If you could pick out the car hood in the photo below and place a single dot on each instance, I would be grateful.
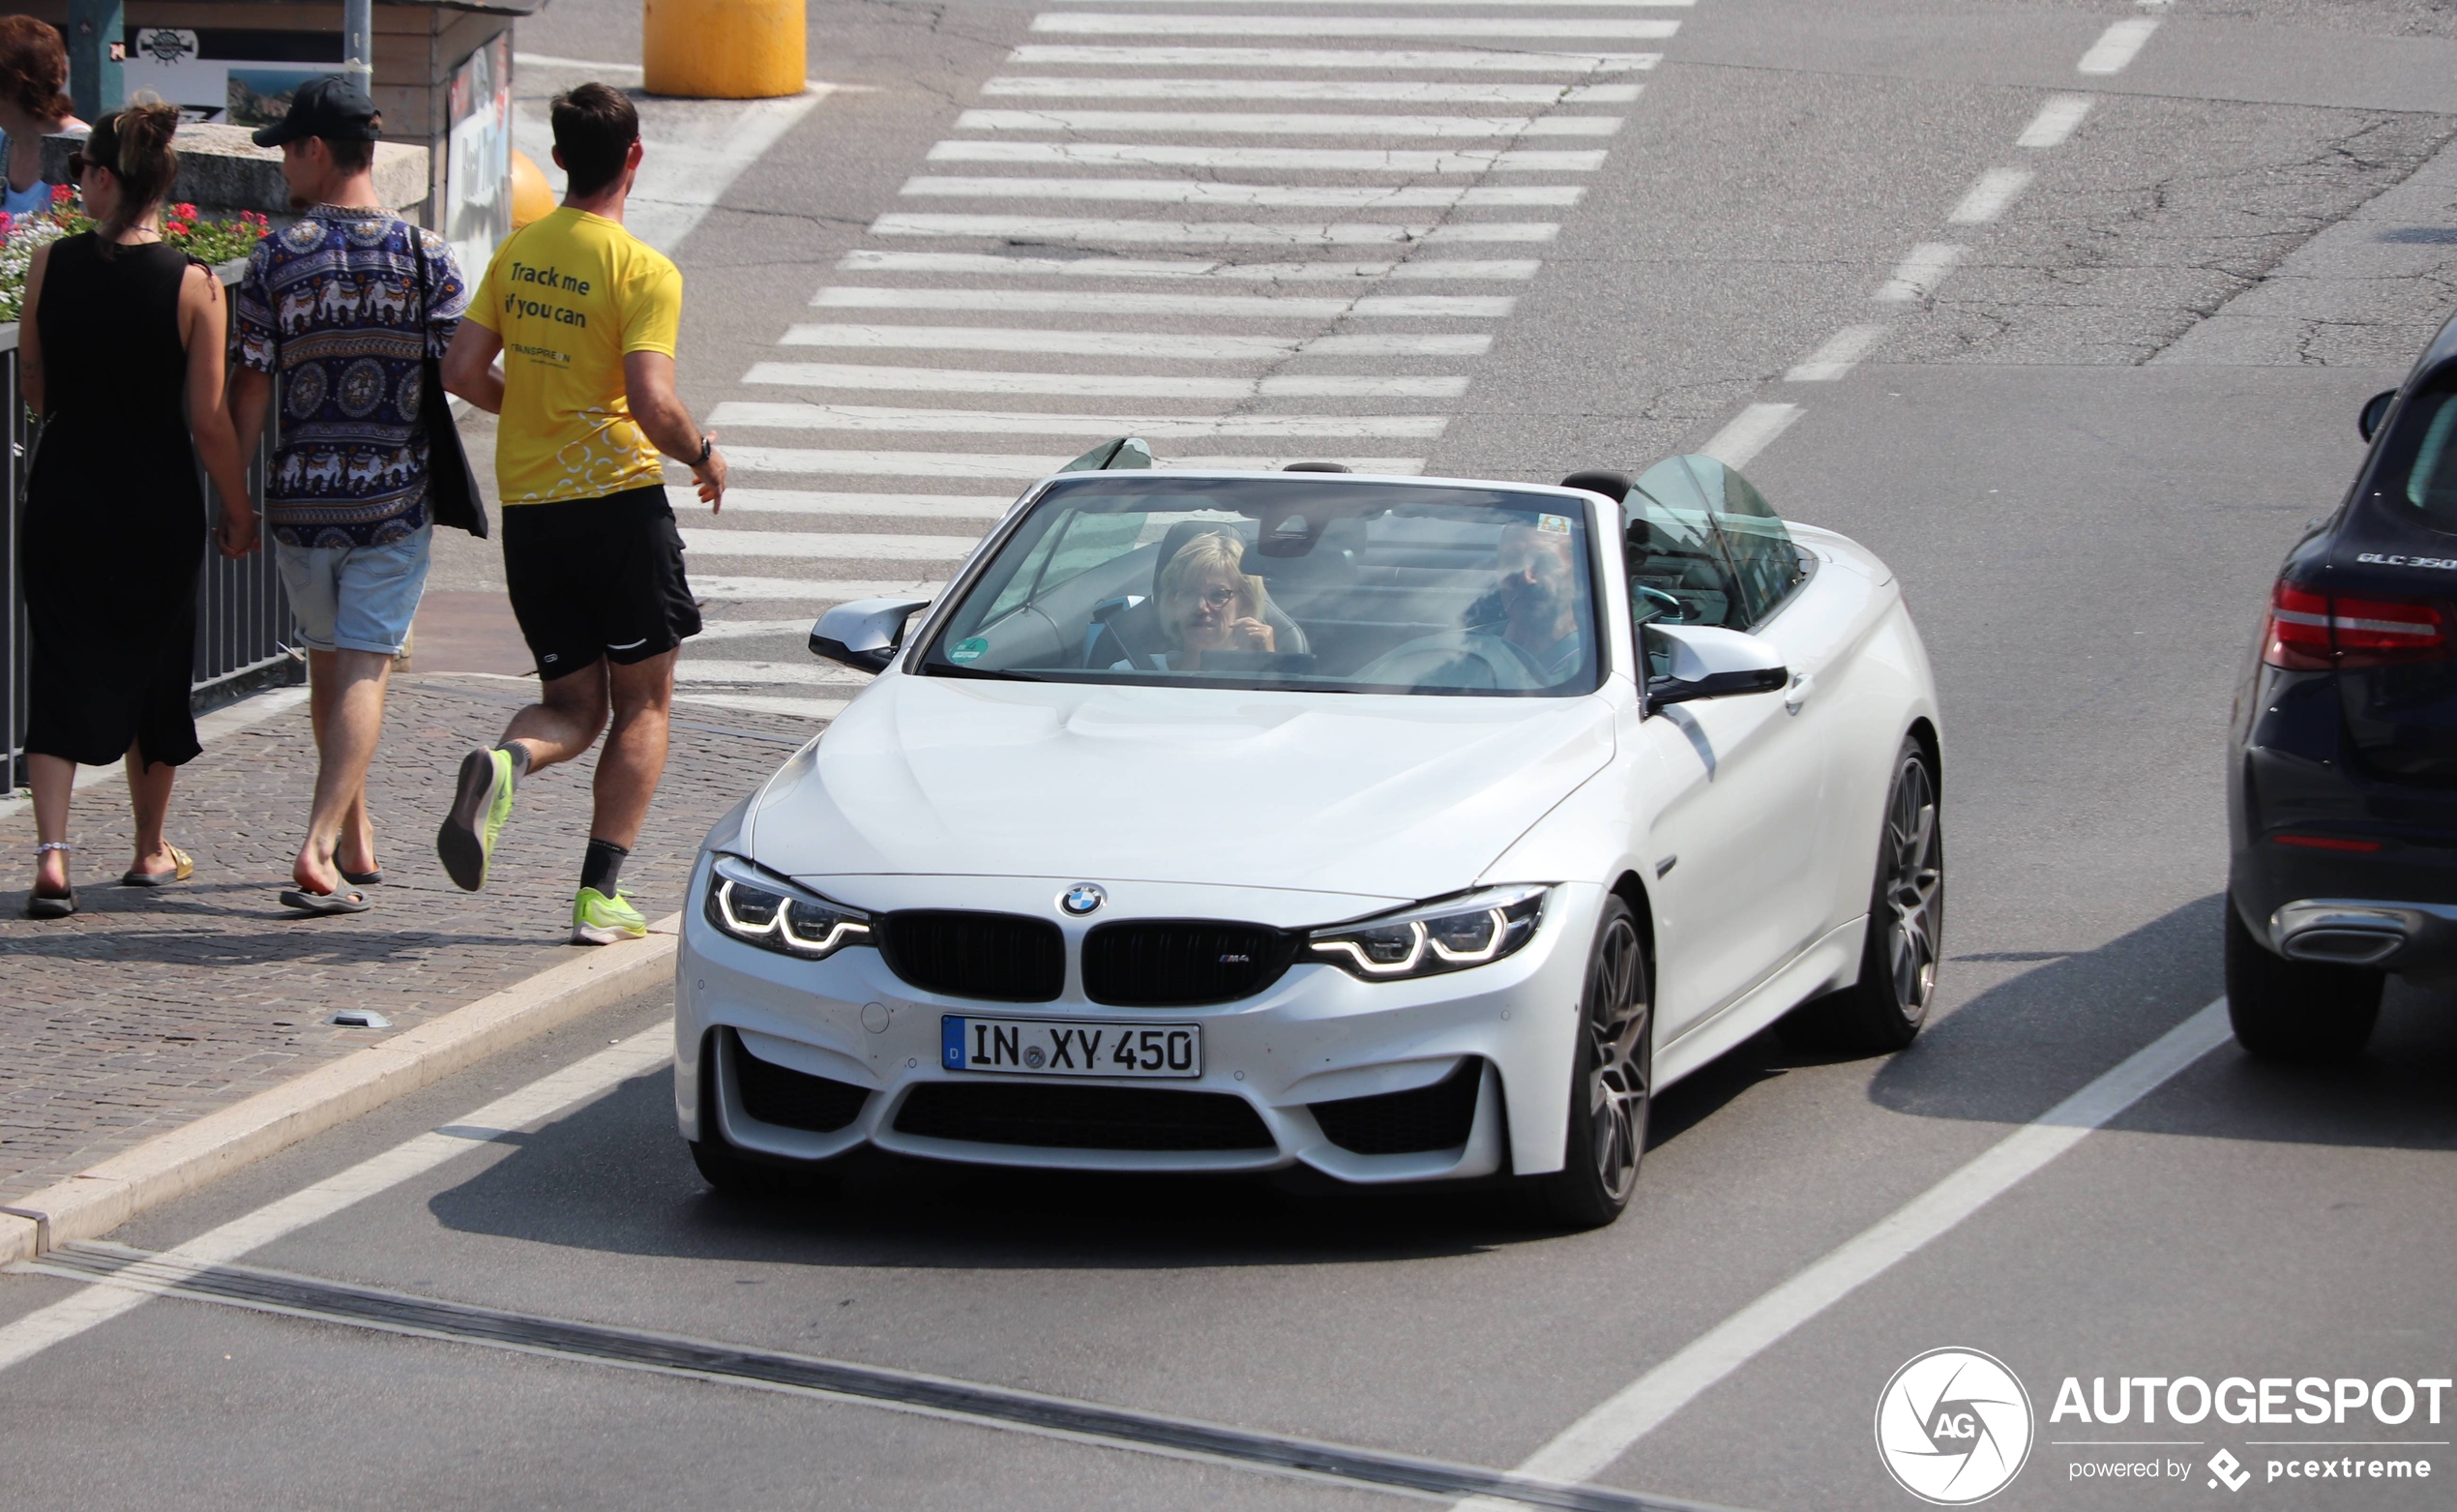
(1384, 795)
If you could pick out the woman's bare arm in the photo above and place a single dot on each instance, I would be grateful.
(30, 331)
(205, 327)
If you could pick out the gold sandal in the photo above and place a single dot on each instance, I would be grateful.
(182, 865)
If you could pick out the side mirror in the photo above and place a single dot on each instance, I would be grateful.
(1711, 663)
(864, 634)
(2375, 410)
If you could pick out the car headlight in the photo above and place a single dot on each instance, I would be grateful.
(1447, 934)
(761, 908)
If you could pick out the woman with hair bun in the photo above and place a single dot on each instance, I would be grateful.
(34, 103)
(118, 331)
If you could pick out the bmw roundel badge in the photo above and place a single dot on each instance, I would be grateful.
(1082, 899)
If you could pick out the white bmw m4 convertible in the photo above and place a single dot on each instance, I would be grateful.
(1406, 829)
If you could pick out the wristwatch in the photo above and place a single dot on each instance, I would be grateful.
(707, 444)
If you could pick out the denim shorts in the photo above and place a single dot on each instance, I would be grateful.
(356, 598)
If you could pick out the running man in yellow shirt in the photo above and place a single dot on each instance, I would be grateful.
(584, 315)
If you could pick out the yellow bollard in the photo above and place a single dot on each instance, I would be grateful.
(723, 49)
(531, 198)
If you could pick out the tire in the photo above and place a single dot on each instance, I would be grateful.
(1612, 1084)
(1884, 1010)
(2298, 1012)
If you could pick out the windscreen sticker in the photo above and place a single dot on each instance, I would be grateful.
(969, 650)
(1554, 525)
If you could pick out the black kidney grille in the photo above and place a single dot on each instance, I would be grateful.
(1434, 1117)
(794, 1099)
(1083, 1117)
(1178, 962)
(999, 958)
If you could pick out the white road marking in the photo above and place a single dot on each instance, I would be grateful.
(910, 506)
(1005, 466)
(1511, 62)
(746, 629)
(1089, 302)
(2055, 121)
(1750, 432)
(806, 590)
(1205, 191)
(1148, 344)
(1918, 274)
(1596, 1440)
(2118, 45)
(763, 415)
(540, 60)
(1091, 385)
(866, 259)
(1307, 159)
(825, 546)
(751, 703)
(806, 675)
(1088, 25)
(1996, 189)
(1481, 5)
(1405, 90)
(1264, 123)
(1842, 349)
(1227, 233)
(541, 1099)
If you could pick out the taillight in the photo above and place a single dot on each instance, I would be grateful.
(2314, 632)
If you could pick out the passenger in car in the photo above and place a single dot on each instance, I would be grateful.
(1538, 590)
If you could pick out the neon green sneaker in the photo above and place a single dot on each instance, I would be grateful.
(466, 843)
(600, 920)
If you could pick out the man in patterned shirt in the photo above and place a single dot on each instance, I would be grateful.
(334, 319)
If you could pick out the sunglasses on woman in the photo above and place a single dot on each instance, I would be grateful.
(79, 163)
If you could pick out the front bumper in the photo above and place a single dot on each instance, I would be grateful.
(1317, 1035)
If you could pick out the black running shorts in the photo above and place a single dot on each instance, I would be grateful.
(597, 577)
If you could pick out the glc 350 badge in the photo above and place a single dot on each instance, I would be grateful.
(1082, 899)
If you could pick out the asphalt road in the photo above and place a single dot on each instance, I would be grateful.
(2083, 449)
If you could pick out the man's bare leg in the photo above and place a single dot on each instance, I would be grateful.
(635, 757)
(346, 705)
(564, 722)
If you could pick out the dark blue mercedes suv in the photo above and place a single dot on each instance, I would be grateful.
(2342, 793)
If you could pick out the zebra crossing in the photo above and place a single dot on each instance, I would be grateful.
(1251, 231)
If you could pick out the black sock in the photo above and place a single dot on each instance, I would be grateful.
(520, 761)
(602, 863)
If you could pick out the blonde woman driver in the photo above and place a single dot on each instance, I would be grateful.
(1203, 599)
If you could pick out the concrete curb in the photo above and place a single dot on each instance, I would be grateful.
(99, 1199)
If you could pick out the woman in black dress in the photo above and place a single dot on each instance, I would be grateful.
(118, 329)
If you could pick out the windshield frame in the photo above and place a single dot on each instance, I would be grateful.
(1598, 525)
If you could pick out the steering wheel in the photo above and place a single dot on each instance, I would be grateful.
(1457, 659)
(1665, 606)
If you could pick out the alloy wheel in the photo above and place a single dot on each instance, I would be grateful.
(1914, 889)
(1621, 1056)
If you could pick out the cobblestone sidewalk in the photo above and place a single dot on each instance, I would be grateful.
(151, 1007)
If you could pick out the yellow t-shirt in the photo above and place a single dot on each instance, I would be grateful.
(570, 294)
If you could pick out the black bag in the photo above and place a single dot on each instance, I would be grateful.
(452, 488)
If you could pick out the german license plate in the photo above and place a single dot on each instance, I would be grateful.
(1046, 1048)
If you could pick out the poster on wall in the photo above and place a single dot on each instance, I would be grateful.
(235, 75)
(478, 156)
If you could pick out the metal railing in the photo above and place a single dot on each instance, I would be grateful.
(244, 630)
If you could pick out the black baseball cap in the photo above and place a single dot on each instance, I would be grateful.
(332, 107)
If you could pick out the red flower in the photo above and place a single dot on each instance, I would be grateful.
(178, 228)
(61, 194)
(184, 212)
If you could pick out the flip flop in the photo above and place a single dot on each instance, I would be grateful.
(324, 903)
(182, 865)
(50, 905)
(362, 878)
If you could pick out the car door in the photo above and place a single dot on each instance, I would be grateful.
(1737, 838)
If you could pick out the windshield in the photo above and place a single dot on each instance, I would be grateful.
(1285, 583)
